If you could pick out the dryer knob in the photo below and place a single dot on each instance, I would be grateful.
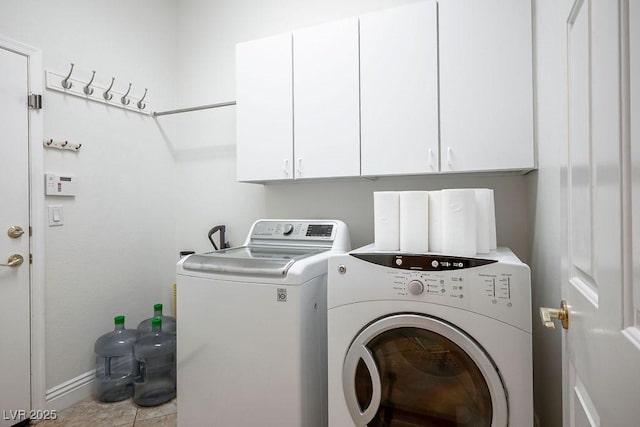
(416, 287)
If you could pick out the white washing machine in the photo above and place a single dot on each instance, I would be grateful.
(429, 340)
(252, 338)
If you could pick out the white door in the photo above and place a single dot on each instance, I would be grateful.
(601, 347)
(326, 100)
(14, 212)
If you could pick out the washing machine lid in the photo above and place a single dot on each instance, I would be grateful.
(251, 260)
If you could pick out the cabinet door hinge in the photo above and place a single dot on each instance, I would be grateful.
(30, 231)
(30, 258)
(35, 101)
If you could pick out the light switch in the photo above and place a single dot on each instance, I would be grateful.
(55, 216)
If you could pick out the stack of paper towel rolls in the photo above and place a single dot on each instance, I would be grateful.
(456, 222)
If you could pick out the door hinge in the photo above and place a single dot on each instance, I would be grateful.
(30, 231)
(30, 258)
(35, 101)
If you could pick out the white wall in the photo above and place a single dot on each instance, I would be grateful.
(544, 191)
(115, 253)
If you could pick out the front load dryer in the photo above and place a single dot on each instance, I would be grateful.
(429, 340)
(252, 337)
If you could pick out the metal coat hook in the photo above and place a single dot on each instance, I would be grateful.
(66, 83)
(106, 95)
(124, 99)
(141, 105)
(88, 90)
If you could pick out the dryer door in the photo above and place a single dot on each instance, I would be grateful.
(414, 370)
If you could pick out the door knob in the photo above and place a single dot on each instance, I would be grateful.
(15, 231)
(562, 314)
(14, 261)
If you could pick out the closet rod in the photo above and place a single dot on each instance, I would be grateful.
(186, 110)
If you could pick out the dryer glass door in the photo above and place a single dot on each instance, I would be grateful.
(411, 370)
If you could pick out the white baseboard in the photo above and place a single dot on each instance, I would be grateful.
(69, 392)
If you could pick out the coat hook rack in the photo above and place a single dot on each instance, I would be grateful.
(61, 145)
(88, 90)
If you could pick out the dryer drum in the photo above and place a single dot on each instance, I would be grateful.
(426, 380)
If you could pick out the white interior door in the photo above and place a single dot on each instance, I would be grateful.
(601, 348)
(14, 212)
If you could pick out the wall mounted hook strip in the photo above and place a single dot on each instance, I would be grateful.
(66, 83)
(61, 145)
(88, 90)
(92, 91)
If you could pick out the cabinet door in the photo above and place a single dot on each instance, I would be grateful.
(486, 86)
(399, 90)
(326, 100)
(264, 112)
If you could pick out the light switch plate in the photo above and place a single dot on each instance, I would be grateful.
(56, 217)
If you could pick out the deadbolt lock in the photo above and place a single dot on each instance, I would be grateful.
(15, 231)
(562, 314)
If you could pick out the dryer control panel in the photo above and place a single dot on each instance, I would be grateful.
(497, 286)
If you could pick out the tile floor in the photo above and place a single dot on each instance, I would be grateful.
(91, 412)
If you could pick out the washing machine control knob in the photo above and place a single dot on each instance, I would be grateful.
(416, 287)
(288, 229)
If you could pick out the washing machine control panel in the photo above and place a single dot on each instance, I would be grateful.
(293, 230)
(495, 287)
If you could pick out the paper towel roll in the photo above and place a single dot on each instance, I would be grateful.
(386, 220)
(483, 227)
(414, 221)
(493, 240)
(459, 222)
(435, 221)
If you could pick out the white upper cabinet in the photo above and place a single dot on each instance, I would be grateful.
(423, 88)
(326, 100)
(486, 85)
(264, 111)
(399, 90)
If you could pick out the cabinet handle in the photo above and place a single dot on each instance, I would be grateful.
(449, 161)
(299, 168)
(286, 167)
(431, 158)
